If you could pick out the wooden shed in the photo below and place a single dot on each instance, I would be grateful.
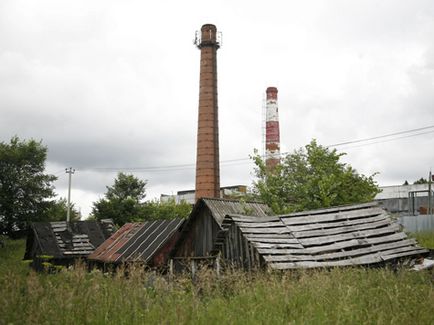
(61, 243)
(145, 242)
(205, 223)
(361, 234)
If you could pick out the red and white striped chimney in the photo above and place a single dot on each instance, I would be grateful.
(272, 137)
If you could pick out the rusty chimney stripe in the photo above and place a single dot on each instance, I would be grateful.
(207, 156)
(272, 134)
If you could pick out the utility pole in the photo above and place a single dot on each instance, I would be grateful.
(69, 171)
(429, 193)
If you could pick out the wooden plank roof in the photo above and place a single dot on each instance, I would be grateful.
(342, 236)
(136, 241)
(222, 207)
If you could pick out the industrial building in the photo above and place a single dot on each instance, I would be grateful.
(189, 196)
(405, 199)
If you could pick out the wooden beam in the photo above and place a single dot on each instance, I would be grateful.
(297, 256)
(339, 215)
(275, 230)
(338, 245)
(333, 210)
(363, 260)
(346, 236)
(260, 224)
(339, 230)
(325, 225)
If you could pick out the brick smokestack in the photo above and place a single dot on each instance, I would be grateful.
(272, 137)
(207, 158)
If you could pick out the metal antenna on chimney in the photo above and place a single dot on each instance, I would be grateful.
(198, 39)
(219, 39)
(263, 125)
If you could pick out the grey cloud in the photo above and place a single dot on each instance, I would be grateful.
(110, 84)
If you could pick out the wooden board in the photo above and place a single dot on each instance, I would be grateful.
(275, 230)
(333, 210)
(332, 216)
(276, 240)
(339, 230)
(363, 260)
(325, 225)
(277, 245)
(241, 218)
(393, 256)
(297, 254)
(78, 252)
(276, 236)
(346, 236)
(339, 245)
(260, 224)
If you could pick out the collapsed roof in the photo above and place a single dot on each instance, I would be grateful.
(66, 240)
(361, 234)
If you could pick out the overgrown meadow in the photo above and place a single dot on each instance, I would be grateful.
(337, 296)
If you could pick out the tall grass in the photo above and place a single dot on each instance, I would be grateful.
(425, 238)
(337, 296)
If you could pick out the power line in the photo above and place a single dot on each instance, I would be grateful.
(58, 173)
(382, 136)
(237, 161)
(388, 140)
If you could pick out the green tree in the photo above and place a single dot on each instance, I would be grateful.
(421, 181)
(127, 187)
(57, 211)
(310, 178)
(166, 210)
(123, 201)
(25, 190)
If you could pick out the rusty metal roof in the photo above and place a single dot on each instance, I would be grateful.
(67, 240)
(136, 241)
(343, 236)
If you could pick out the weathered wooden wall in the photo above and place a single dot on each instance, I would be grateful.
(200, 236)
(237, 250)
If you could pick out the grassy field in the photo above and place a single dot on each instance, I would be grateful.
(338, 296)
(425, 239)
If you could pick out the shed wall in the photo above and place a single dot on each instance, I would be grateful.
(201, 236)
(238, 251)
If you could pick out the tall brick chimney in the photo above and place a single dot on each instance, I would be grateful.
(272, 137)
(207, 158)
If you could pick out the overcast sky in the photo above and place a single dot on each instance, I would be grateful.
(112, 85)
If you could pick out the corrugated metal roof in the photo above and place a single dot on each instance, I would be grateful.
(136, 241)
(349, 235)
(67, 240)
